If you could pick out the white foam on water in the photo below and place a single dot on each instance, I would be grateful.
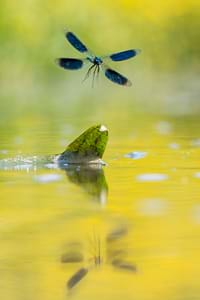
(163, 127)
(195, 142)
(197, 175)
(136, 155)
(46, 178)
(174, 146)
(51, 166)
(22, 167)
(152, 207)
(4, 151)
(151, 177)
(196, 214)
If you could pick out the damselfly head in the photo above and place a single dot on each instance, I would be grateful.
(97, 61)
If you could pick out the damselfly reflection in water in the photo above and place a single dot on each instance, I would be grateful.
(111, 250)
(98, 62)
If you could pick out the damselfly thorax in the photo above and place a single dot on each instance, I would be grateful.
(96, 62)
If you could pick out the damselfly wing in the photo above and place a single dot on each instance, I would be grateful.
(75, 42)
(123, 55)
(70, 63)
(115, 76)
(96, 62)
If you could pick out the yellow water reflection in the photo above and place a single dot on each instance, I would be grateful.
(154, 199)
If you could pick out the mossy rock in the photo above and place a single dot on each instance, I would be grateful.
(88, 148)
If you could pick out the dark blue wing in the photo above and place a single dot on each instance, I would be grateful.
(75, 42)
(70, 63)
(119, 56)
(116, 77)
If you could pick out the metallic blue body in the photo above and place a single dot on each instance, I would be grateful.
(96, 60)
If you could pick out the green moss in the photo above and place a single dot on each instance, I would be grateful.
(90, 145)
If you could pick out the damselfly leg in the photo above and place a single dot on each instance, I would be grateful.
(88, 73)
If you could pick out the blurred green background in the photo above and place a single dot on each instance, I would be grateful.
(164, 76)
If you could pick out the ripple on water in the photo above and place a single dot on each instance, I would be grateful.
(23, 167)
(196, 214)
(136, 155)
(52, 166)
(152, 207)
(46, 178)
(4, 151)
(197, 175)
(174, 146)
(195, 142)
(151, 177)
(163, 127)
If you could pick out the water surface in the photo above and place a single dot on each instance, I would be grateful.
(141, 211)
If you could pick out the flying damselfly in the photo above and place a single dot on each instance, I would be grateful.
(97, 62)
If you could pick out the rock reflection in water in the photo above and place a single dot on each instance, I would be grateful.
(91, 179)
